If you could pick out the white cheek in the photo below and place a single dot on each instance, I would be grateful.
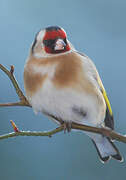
(40, 35)
(42, 46)
(41, 53)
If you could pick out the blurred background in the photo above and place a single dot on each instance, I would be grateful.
(97, 28)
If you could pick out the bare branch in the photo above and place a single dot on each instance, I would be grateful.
(23, 100)
(103, 131)
(33, 133)
(21, 103)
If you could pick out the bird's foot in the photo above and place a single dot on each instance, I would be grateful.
(67, 126)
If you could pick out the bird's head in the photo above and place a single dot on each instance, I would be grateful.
(50, 41)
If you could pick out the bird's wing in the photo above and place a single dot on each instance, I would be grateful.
(109, 120)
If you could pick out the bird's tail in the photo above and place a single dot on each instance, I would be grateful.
(106, 149)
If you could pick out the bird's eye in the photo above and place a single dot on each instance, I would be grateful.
(49, 42)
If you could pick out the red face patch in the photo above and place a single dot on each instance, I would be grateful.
(54, 34)
(50, 38)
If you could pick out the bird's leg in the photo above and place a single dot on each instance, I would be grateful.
(67, 126)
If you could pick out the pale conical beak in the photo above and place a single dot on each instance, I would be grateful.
(59, 45)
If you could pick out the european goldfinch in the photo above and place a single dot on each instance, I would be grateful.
(64, 85)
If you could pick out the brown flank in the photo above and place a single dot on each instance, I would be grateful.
(33, 82)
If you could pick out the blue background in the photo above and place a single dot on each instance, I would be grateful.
(97, 28)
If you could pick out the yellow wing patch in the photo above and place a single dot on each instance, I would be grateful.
(105, 96)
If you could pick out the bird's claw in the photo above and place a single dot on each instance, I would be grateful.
(67, 126)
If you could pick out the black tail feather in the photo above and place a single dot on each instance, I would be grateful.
(106, 158)
(103, 159)
(118, 155)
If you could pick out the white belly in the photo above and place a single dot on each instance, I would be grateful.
(63, 103)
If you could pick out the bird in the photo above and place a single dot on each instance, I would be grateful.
(64, 85)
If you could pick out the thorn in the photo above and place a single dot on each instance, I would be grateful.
(14, 126)
(12, 69)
